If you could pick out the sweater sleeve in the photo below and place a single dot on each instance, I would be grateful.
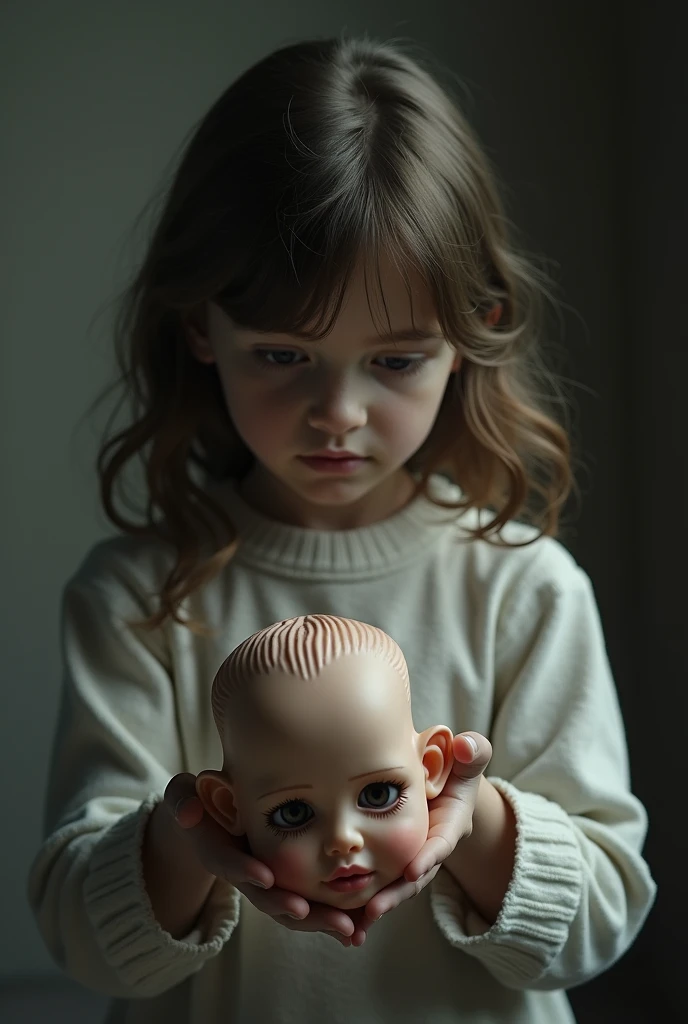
(116, 746)
(580, 889)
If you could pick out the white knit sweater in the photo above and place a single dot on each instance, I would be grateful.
(502, 640)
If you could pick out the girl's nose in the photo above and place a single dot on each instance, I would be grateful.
(337, 408)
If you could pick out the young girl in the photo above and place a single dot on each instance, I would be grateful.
(329, 351)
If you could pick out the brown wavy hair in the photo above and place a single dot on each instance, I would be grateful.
(323, 154)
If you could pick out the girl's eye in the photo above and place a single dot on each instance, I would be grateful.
(278, 357)
(291, 815)
(401, 365)
(379, 796)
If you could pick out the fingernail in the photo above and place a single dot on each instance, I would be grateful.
(294, 917)
(255, 881)
(472, 744)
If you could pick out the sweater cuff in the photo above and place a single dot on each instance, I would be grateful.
(119, 909)
(539, 905)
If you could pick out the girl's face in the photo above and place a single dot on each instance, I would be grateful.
(330, 783)
(331, 423)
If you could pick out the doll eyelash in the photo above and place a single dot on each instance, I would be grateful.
(400, 801)
(293, 833)
(284, 833)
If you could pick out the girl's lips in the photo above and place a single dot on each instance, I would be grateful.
(351, 883)
(333, 464)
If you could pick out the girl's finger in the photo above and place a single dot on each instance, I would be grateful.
(361, 928)
(322, 918)
(343, 929)
(362, 925)
(224, 856)
(278, 903)
(333, 920)
(473, 752)
(189, 812)
(240, 869)
(433, 853)
(296, 913)
(180, 797)
(395, 894)
(387, 899)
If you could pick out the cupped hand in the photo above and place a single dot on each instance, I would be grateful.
(450, 821)
(229, 858)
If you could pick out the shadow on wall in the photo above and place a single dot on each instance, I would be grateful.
(49, 1000)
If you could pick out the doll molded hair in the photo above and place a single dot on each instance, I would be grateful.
(302, 647)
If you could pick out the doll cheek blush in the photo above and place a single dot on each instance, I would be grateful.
(292, 864)
(404, 841)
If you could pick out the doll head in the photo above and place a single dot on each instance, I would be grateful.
(323, 770)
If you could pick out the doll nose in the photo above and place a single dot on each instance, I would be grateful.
(344, 838)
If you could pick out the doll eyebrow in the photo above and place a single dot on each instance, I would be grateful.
(378, 771)
(307, 785)
(283, 789)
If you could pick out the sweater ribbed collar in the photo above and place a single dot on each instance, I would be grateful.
(383, 547)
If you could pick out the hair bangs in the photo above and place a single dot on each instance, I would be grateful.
(299, 285)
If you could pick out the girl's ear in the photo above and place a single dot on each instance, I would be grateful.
(437, 755)
(197, 339)
(217, 796)
(199, 345)
(495, 315)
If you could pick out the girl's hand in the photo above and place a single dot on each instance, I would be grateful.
(226, 857)
(451, 819)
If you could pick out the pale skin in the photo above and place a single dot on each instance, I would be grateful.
(327, 774)
(342, 394)
(355, 390)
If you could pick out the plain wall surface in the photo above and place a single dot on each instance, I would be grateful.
(96, 100)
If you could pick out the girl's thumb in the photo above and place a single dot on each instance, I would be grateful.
(181, 799)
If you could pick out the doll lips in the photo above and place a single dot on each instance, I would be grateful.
(351, 879)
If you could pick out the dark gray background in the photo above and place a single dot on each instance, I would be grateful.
(582, 108)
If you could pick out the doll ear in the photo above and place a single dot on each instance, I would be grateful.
(217, 796)
(437, 755)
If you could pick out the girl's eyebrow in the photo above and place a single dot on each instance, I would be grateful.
(404, 334)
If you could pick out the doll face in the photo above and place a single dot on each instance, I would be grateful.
(329, 781)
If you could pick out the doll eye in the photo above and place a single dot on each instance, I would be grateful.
(379, 796)
(293, 814)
